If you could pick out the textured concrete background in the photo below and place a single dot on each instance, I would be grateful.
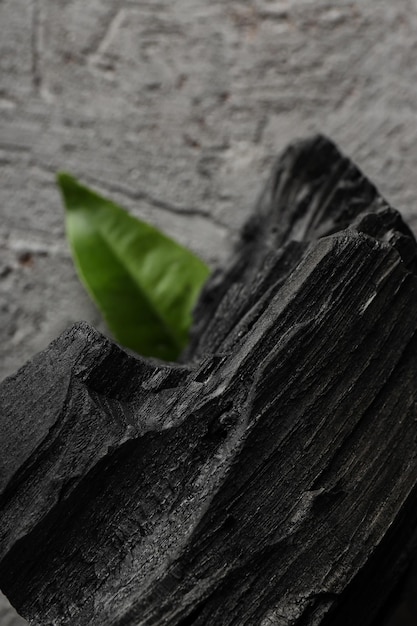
(177, 109)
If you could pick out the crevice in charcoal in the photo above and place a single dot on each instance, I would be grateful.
(209, 368)
(114, 374)
(229, 524)
(323, 601)
(194, 616)
(219, 427)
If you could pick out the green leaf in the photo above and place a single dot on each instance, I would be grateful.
(145, 284)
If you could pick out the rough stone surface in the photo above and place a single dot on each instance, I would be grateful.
(177, 110)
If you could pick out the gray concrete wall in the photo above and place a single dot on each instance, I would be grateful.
(177, 109)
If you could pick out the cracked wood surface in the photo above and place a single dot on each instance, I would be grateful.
(272, 478)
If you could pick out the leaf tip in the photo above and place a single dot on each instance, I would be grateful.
(70, 189)
(65, 180)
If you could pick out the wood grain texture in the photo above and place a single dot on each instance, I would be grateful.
(271, 479)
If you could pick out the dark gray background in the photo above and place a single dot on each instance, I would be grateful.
(177, 110)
